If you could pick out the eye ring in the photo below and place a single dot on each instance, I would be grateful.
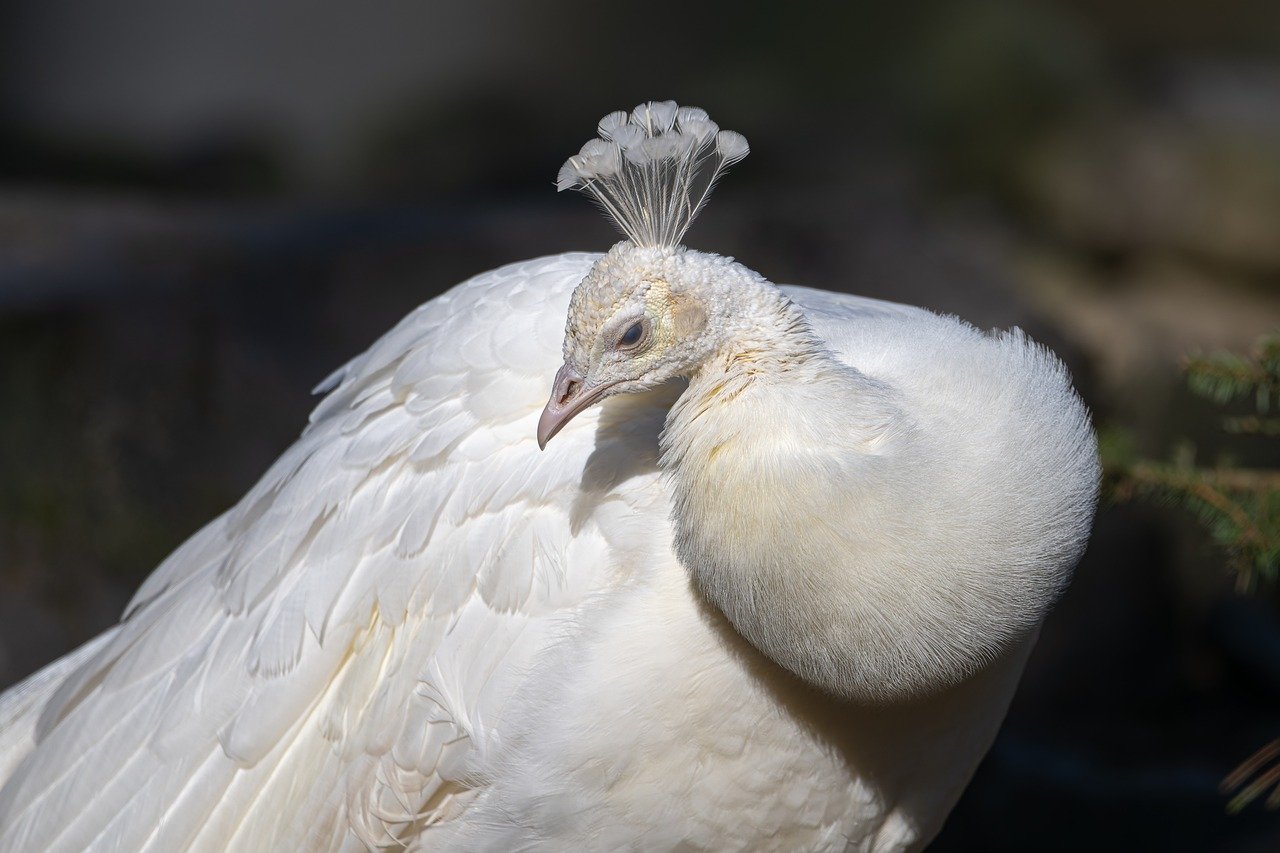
(632, 336)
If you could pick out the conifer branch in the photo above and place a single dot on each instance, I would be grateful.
(1240, 507)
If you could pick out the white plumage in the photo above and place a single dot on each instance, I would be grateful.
(419, 630)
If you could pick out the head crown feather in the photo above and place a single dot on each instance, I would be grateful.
(653, 169)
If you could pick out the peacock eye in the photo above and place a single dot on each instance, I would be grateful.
(632, 335)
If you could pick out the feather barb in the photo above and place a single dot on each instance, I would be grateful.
(652, 169)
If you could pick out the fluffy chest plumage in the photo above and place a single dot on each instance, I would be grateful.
(666, 729)
(657, 726)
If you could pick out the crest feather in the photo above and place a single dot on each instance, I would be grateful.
(653, 169)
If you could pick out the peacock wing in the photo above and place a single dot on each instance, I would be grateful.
(327, 664)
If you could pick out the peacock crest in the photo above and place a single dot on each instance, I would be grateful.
(652, 169)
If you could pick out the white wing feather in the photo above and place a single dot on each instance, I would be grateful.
(336, 649)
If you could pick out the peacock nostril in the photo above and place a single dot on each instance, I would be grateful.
(570, 391)
(568, 397)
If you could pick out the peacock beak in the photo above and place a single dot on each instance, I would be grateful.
(569, 396)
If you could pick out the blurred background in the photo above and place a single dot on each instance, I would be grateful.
(205, 207)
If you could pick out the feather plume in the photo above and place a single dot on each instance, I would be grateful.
(653, 169)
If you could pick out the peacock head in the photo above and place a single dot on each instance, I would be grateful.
(641, 317)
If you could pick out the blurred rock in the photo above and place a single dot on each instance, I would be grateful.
(1195, 174)
(1137, 321)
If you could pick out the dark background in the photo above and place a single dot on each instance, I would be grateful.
(205, 207)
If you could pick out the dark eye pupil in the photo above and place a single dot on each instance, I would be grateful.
(631, 336)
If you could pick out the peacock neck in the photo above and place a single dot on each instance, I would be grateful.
(767, 341)
(768, 365)
(772, 438)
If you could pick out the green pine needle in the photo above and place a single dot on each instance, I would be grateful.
(1239, 508)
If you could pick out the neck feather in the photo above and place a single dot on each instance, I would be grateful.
(806, 507)
(769, 342)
